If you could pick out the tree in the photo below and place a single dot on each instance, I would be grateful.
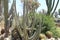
(32, 5)
(24, 25)
(0, 1)
(44, 22)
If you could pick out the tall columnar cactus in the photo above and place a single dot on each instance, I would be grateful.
(0, 6)
(50, 5)
(59, 11)
(24, 25)
(6, 15)
(25, 16)
(23, 28)
(0, 1)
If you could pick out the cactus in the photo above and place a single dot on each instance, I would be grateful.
(0, 8)
(50, 5)
(59, 11)
(24, 26)
(6, 16)
(0, 1)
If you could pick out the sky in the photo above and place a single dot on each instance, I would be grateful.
(19, 6)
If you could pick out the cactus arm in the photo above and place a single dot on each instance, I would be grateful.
(20, 31)
(55, 7)
(35, 35)
(49, 6)
(32, 37)
(24, 22)
(52, 6)
(59, 11)
(47, 2)
(6, 16)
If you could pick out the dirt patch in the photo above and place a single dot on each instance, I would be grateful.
(1, 26)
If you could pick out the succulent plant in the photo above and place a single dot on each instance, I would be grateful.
(49, 34)
(50, 5)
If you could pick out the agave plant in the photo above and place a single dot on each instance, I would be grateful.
(23, 27)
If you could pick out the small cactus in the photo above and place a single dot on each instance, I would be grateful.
(49, 34)
(42, 36)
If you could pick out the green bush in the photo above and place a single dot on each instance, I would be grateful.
(47, 24)
(56, 32)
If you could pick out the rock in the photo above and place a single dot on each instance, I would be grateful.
(2, 36)
(50, 39)
(58, 38)
(8, 38)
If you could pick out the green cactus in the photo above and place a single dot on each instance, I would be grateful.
(50, 5)
(6, 16)
(0, 7)
(24, 21)
(0, 1)
(25, 26)
(59, 11)
(25, 15)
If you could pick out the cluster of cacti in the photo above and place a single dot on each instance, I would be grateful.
(1, 10)
(0, 1)
(24, 27)
(26, 30)
(50, 5)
